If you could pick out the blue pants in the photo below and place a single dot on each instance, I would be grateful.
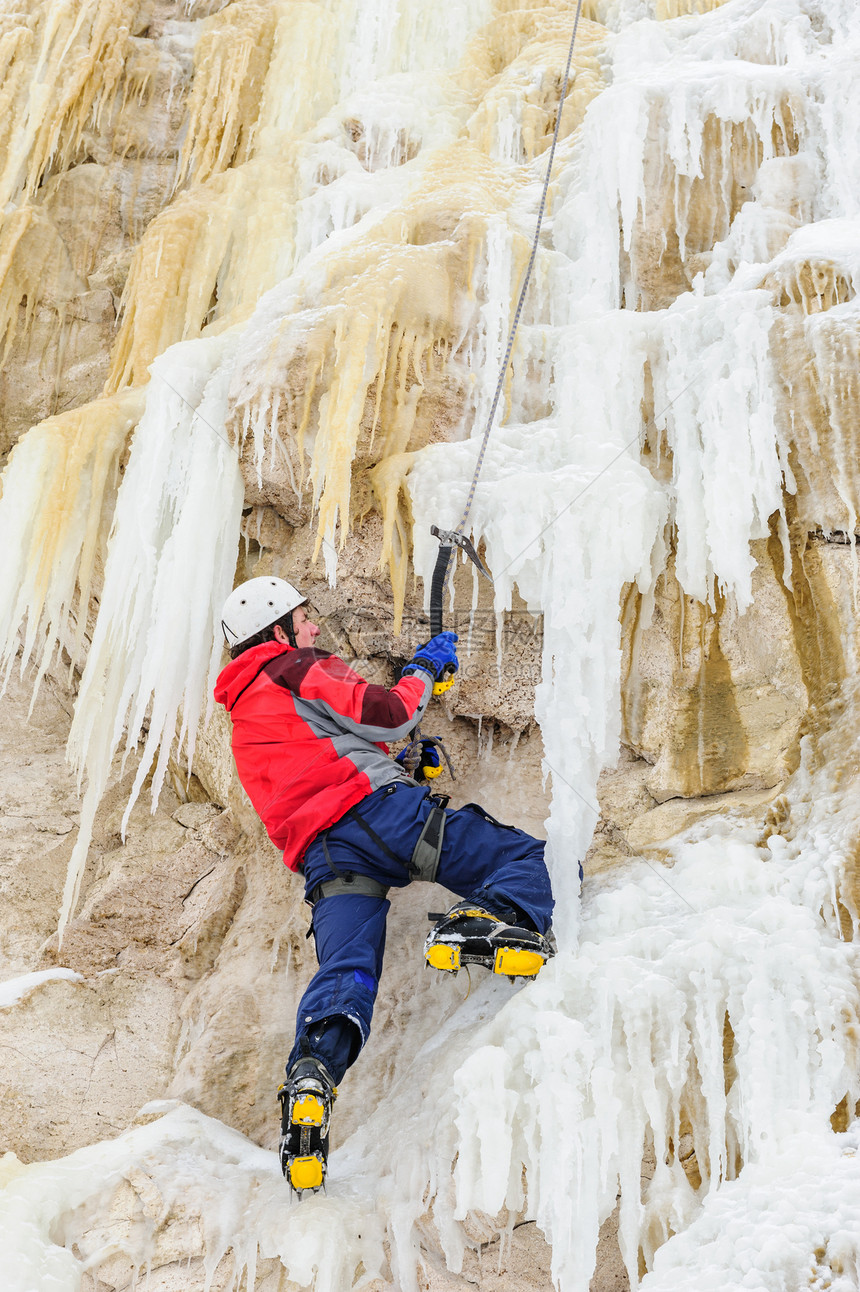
(496, 866)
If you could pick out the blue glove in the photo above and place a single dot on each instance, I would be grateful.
(429, 764)
(435, 656)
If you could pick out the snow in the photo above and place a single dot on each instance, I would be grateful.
(14, 990)
(624, 1042)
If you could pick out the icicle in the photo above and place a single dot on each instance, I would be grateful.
(170, 564)
(59, 489)
(384, 304)
(713, 387)
(515, 119)
(231, 59)
(540, 508)
(835, 348)
(31, 255)
(197, 266)
(60, 72)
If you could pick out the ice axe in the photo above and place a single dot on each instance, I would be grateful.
(448, 540)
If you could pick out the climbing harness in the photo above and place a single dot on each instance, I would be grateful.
(423, 864)
(347, 884)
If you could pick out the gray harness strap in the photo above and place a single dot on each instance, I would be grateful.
(424, 862)
(357, 885)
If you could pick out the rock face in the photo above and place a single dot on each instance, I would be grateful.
(164, 189)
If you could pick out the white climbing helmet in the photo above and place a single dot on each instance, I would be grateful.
(255, 604)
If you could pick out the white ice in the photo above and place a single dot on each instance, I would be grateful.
(156, 649)
(789, 1221)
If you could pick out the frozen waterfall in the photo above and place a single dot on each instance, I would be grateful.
(704, 1007)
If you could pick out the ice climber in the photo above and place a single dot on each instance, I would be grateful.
(309, 740)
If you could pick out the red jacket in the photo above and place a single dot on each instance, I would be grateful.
(308, 733)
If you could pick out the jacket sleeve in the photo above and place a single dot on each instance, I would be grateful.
(356, 705)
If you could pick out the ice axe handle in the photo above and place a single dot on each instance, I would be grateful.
(437, 588)
(437, 593)
(447, 539)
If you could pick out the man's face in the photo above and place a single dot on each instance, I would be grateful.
(306, 631)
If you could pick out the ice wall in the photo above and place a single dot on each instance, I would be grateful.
(668, 154)
(698, 115)
(344, 244)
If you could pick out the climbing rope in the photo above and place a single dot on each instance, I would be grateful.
(449, 540)
(516, 320)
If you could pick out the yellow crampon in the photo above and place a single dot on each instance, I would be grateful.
(308, 1110)
(471, 935)
(306, 1172)
(517, 962)
(306, 1099)
(443, 957)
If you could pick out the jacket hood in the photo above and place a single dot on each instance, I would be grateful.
(241, 672)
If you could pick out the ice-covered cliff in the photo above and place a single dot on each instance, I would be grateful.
(257, 266)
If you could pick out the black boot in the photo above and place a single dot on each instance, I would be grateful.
(306, 1099)
(473, 935)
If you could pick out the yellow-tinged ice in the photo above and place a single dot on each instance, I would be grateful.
(71, 73)
(395, 301)
(207, 258)
(667, 9)
(815, 284)
(302, 82)
(525, 52)
(63, 476)
(231, 61)
(61, 66)
(389, 300)
(33, 258)
(394, 305)
(388, 479)
(60, 69)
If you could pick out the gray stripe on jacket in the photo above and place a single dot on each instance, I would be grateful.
(321, 710)
(350, 740)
